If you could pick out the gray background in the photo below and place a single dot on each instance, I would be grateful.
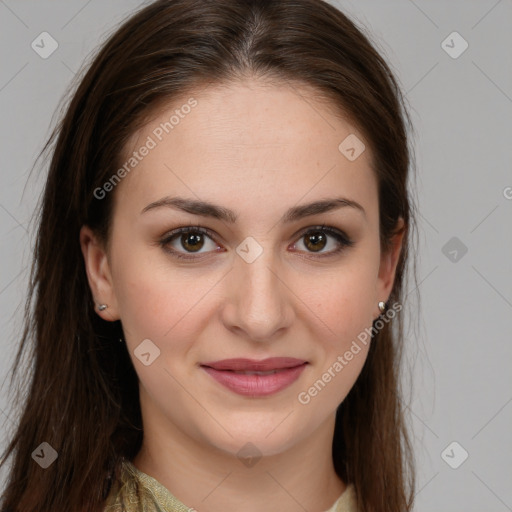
(462, 111)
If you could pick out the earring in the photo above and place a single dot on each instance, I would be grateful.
(102, 307)
(382, 306)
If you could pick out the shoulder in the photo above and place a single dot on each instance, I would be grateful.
(126, 494)
(347, 502)
(134, 491)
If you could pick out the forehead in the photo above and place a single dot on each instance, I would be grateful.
(248, 141)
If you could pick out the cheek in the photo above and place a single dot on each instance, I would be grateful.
(155, 300)
(343, 300)
(343, 309)
(162, 301)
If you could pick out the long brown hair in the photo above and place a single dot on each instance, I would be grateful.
(83, 395)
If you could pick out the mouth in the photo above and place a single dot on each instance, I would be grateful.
(238, 372)
(256, 378)
(254, 365)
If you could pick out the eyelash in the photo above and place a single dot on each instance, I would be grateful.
(340, 237)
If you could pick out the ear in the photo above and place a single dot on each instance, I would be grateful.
(98, 274)
(388, 264)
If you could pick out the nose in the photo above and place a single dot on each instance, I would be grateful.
(259, 304)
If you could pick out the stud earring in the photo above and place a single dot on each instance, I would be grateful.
(102, 307)
(382, 306)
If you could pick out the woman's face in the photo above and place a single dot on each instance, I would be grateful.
(263, 281)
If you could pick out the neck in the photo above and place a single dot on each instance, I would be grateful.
(207, 479)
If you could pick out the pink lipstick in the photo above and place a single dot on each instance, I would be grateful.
(252, 377)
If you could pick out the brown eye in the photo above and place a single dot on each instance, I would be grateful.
(182, 243)
(315, 240)
(319, 238)
(191, 241)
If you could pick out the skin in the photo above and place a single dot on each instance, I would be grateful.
(257, 148)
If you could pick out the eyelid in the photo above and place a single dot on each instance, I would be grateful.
(341, 237)
(167, 238)
(327, 229)
(344, 241)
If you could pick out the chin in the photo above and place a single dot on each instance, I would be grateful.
(256, 438)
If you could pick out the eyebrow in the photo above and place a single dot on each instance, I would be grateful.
(295, 213)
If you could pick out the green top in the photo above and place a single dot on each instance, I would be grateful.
(138, 492)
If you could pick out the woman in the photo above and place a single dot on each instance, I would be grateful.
(218, 274)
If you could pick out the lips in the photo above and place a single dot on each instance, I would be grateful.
(256, 378)
(251, 365)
